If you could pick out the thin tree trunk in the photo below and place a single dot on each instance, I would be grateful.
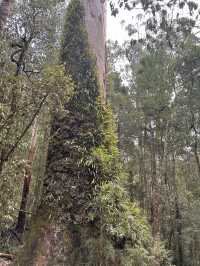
(142, 175)
(178, 217)
(155, 189)
(195, 147)
(155, 211)
(179, 234)
(27, 180)
(196, 154)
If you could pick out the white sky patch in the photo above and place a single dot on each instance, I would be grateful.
(115, 31)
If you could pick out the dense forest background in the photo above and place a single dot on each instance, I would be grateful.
(95, 169)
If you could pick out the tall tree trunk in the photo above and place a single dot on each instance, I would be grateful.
(142, 171)
(155, 189)
(178, 218)
(196, 155)
(155, 209)
(95, 21)
(43, 238)
(5, 7)
(195, 145)
(179, 234)
(27, 180)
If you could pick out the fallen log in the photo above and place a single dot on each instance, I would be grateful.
(7, 256)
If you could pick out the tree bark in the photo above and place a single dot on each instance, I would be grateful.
(196, 155)
(179, 234)
(155, 189)
(46, 243)
(5, 7)
(178, 219)
(27, 180)
(95, 21)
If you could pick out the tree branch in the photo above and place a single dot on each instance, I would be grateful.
(26, 129)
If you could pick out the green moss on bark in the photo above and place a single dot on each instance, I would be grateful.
(72, 177)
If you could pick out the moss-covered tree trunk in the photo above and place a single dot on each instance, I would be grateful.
(45, 243)
(71, 179)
